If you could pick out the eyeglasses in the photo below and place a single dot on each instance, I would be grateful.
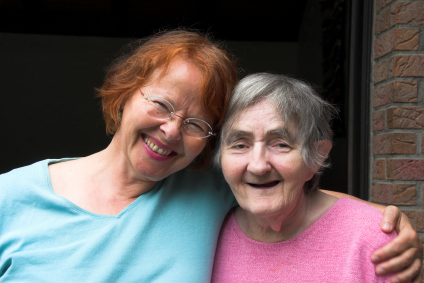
(162, 109)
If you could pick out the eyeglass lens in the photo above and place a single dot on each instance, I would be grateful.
(162, 109)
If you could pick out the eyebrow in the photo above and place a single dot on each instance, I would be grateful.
(283, 132)
(173, 103)
(237, 134)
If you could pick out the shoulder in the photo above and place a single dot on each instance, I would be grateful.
(357, 209)
(359, 221)
(33, 172)
(25, 181)
(359, 234)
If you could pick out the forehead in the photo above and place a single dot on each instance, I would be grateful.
(180, 72)
(260, 115)
(180, 83)
(260, 121)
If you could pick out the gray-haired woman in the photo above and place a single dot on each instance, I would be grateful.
(275, 139)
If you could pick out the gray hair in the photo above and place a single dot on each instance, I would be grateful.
(300, 107)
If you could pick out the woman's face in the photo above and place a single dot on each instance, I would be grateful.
(181, 87)
(262, 163)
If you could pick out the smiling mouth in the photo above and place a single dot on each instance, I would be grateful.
(157, 149)
(264, 185)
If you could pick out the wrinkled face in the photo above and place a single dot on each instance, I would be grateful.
(263, 164)
(156, 148)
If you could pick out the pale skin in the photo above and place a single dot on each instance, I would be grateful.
(108, 181)
(266, 173)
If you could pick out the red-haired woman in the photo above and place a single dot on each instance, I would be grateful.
(130, 213)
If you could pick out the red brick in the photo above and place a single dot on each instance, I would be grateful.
(403, 91)
(423, 194)
(392, 143)
(380, 71)
(379, 120)
(396, 194)
(422, 144)
(382, 3)
(397, 39)
(405, 118)
(404, 194)
(416, 217)
(384, 45)
(383, 95)
(405, 169)
(381, 193)
(406, 39)
(379, 169)
(407, 13)
(422, 267)
(382, 22)
(407, 66)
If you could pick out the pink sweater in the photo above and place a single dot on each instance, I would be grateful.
(336, 248)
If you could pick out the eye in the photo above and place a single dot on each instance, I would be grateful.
(282, 145)
(239, 146)
(195, 126)
(160, 105)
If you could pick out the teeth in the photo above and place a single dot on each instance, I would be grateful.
(155, 148)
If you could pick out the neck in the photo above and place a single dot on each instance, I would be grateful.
(113, 173)
(284, 226)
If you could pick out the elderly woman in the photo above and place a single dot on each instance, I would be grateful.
(275, 138)
(130, 213)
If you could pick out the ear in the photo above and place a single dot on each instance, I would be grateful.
(324, 147)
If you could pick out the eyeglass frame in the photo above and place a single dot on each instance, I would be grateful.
(185, 120)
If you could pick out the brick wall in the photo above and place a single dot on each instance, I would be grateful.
(397, 107)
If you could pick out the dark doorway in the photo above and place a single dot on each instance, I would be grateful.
(54, 53)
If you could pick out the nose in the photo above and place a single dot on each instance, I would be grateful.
(171, 128)
(259, 163)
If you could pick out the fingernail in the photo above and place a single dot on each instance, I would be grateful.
(387, 226)
(396, 281)
(375, 258)
(380, 271)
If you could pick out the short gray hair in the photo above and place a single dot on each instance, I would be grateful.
(300, 107)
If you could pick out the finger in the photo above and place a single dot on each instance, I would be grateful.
(411, 273)
(398, 263)
(419, 278)
(392, 249)
(406, 239)
(391, 218)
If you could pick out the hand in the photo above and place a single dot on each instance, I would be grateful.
(404, 253)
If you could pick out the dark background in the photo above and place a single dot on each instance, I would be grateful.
(53, 54)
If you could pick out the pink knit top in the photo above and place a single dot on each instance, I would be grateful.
(336, 248)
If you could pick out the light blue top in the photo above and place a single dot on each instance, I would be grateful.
(168, 234)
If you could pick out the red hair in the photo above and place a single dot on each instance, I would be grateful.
(133, 70)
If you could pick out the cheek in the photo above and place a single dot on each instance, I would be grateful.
(292, 166)
(194, 146)
(233, 169)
